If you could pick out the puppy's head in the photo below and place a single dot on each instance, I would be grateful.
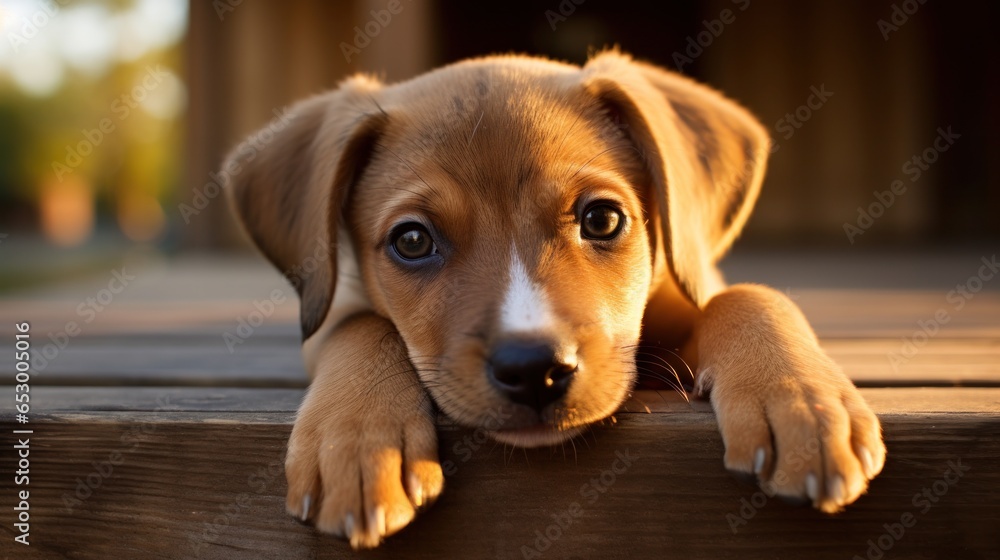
(510, 216)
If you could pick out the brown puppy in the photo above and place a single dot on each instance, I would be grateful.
(495, 236)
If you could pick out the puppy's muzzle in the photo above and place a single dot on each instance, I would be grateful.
(529, 372)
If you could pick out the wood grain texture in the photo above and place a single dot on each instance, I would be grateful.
(169, 401)
(834, 313)
(269, 359)
(206, 480)
(122, 361)
(941, 362)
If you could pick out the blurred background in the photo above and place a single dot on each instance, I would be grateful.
(114, 113)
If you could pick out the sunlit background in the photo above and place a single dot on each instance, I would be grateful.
(113, 113)
(91, 102)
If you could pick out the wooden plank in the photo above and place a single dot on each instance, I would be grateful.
(884, 401)
(834, 313)
(844, 295)
(50, 400)
(271, 358)
(180, 317)
(211, 485)
(166, 328)
(117, 362)
(926, 400)
(923, 270)
(876, 362)
(863, 313)
(171, 400)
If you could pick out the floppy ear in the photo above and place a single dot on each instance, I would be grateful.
(705, 154)
(288, 183)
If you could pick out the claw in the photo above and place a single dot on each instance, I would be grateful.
(758, 461)
(377, 521)
(306, 502)
(416, 490)
(867, 462)
(349, 526)
(837, 490)
(812, 487)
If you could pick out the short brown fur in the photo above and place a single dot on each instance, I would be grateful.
(498, 156)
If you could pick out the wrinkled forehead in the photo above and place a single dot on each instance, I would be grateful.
(520, 123)
(493, 142)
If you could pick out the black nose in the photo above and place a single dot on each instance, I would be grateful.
(529, 373)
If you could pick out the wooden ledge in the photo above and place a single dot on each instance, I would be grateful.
(199, 474)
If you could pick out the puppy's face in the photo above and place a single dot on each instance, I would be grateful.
(505, 223)
(500, 224)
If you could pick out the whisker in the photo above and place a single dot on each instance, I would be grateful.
(475, 129)
(569, 131)
(601, 153)
(404, 162)
(669, 367)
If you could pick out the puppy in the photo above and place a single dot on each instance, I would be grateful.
(500, 236)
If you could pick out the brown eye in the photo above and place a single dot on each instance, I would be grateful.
(602, 222)
(412, 242)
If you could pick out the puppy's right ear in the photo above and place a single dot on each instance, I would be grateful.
(289, 181)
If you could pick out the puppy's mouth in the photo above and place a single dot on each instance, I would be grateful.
(538, 435)
(518, 425)
(520, 410)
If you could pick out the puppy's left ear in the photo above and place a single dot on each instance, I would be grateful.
(706, 156)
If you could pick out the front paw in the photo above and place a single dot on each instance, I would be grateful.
(361, 470)
(805, 433)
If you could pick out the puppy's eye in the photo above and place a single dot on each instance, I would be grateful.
(601, 221)
(412, 242)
